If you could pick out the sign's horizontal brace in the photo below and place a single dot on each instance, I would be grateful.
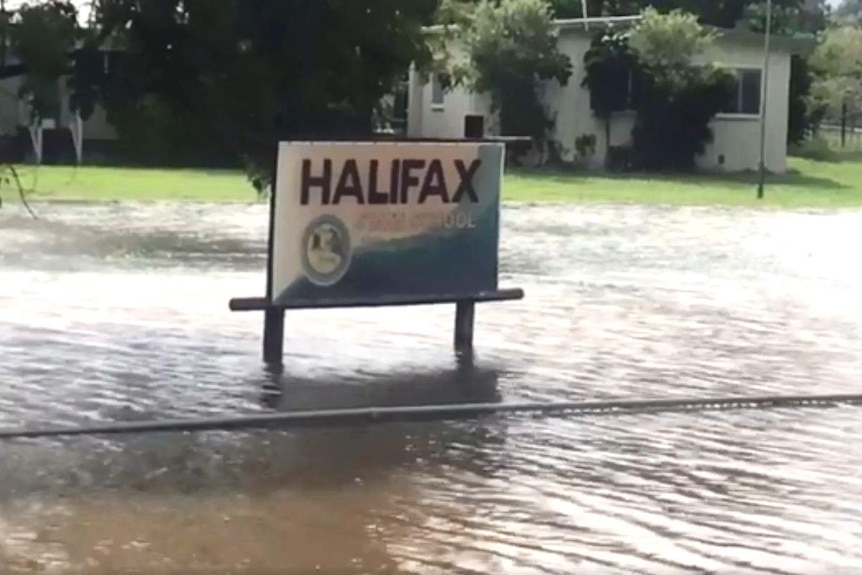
(262, 303)
(395, 140)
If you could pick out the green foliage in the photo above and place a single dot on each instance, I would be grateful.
(787, 17)
(801, 116)
(849, 12)
(42, 36)
(837, 66)
(680, 98)
(154, 132)
(720, 13)
(676, 99)
(815, 148)
(455, 11)
(249, 73)
(672, 126)
(666, 44)
(511, 47)
(608, 63)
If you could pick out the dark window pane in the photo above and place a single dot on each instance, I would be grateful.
(638, 87)
(732, 106)
(750, 92)
(436, 91)
(616, 81)
(399, 106)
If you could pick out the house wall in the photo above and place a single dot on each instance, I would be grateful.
(10, 111)
(96, 127)
(736, 144)
(428, 120)
(13, 114)
(737, 136)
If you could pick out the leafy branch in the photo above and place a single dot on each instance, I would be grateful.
(9, 176)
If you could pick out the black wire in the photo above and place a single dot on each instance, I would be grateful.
(425, 413)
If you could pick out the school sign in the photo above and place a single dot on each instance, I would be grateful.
(374, 220)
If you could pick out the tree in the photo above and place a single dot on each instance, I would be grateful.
(837, 64)
(676, 97)
(680, 97)
(610, 65)
(666, 44)
(511, 47)
(720, 13)
(251, 72)
(43, 36)
(849, 12)
(802, 116)
(455, 11)
(788, 15)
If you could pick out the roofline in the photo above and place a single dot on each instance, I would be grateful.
(567, 23)
(793, 43)
(561, 24)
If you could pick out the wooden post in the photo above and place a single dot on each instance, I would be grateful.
(273, 337)
(273, 319)
(465, 314)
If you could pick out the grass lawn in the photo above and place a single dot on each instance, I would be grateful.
(808, 184)
(106, 184)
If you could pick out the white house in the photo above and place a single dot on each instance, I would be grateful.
(433, 113)
(15, 113)
(63, 129)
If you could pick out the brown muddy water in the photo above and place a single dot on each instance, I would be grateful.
(119, 312)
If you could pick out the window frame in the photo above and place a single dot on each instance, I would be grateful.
(631, 93)
(740, 114)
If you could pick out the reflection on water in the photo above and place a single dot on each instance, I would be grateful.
(119, 312)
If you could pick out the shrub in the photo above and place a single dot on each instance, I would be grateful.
(512, 47)
(816, 148)
(675, 99)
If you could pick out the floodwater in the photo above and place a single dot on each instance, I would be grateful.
(119, 312)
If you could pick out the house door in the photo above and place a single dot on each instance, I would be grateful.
(474, 127)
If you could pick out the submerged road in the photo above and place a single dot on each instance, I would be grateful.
(118, 312)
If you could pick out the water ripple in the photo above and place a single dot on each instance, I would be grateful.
(119, 312)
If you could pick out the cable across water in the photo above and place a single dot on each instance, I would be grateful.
(354, 417)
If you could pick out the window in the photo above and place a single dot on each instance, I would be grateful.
(746, 95)
(624, 89)
(437, 93)
(400, 107)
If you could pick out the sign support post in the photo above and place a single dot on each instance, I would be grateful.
(273, 337)
(465, 316)
(273, 317)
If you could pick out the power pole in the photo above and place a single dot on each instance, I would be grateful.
(764, 98)
(4, 21)
(843, 123)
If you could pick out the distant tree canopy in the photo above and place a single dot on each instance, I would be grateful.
(226, 79)
(721, 13)
(849, 12)
(42, 36)
(246, 73)
(837, 64)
